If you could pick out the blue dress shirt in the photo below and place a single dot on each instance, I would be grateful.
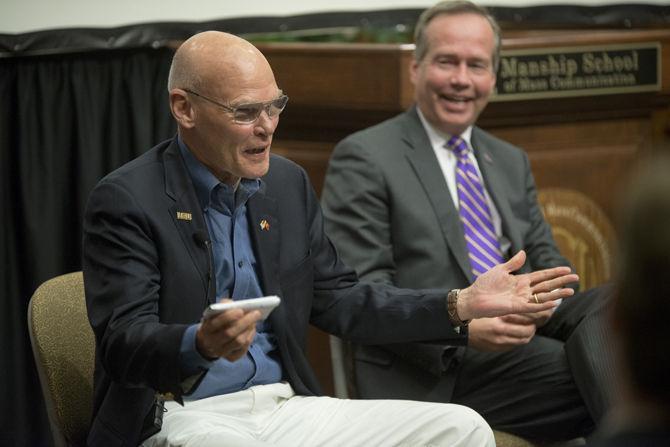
(235, 273)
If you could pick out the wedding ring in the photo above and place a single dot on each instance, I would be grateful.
(535, 298)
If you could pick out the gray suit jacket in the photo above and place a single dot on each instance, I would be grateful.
(389, 212)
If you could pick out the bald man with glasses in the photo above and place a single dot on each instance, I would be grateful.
(210, 215)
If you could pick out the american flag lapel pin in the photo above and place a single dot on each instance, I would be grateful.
(265, 225)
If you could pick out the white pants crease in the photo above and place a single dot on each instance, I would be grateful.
(272, 415)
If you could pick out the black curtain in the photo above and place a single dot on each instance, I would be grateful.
(65, 121)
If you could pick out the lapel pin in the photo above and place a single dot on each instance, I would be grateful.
(265, 225)
(181, 215)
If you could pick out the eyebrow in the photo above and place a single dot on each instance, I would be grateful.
(244, 103)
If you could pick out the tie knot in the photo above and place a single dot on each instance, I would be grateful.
(458, 145)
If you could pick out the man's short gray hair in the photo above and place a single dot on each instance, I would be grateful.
(454, 7)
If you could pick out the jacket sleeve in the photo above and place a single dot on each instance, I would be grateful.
(122, 279)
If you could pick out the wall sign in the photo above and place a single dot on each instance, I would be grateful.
(578, 71)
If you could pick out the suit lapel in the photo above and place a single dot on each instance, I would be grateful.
(265, 228)
(188, 217)
(496, 186)
(421, 157)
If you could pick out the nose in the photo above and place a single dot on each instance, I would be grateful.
(460, 75)
(265, 124)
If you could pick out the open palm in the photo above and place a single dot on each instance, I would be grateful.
(498, 292)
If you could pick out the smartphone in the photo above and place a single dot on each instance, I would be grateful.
(265, 304)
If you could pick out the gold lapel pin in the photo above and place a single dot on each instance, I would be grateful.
(182, 215)
(265, 225)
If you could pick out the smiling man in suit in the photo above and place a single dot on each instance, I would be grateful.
(212, 214)
(428, 199)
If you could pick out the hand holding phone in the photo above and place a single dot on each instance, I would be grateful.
(264, 304)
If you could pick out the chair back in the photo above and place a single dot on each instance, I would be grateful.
(64, 349)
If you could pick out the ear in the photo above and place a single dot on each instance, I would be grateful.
(413, 69)
(181, 108)
(493, 82)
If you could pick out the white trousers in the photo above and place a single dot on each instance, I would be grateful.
(272, 415)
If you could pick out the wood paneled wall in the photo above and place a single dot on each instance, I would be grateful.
(586, 143)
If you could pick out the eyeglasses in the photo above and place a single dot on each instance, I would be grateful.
(249, 113)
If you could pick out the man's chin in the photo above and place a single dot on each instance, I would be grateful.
(257, 171)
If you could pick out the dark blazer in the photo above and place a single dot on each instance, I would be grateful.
(388, 209)
(147, 277)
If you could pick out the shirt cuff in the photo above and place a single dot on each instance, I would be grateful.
(191, 360)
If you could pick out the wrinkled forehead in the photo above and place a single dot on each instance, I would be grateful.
(238, 69)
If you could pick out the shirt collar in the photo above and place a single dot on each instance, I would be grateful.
(205, 182)
(437, 137)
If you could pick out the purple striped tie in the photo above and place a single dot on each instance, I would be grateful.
(480, 237)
